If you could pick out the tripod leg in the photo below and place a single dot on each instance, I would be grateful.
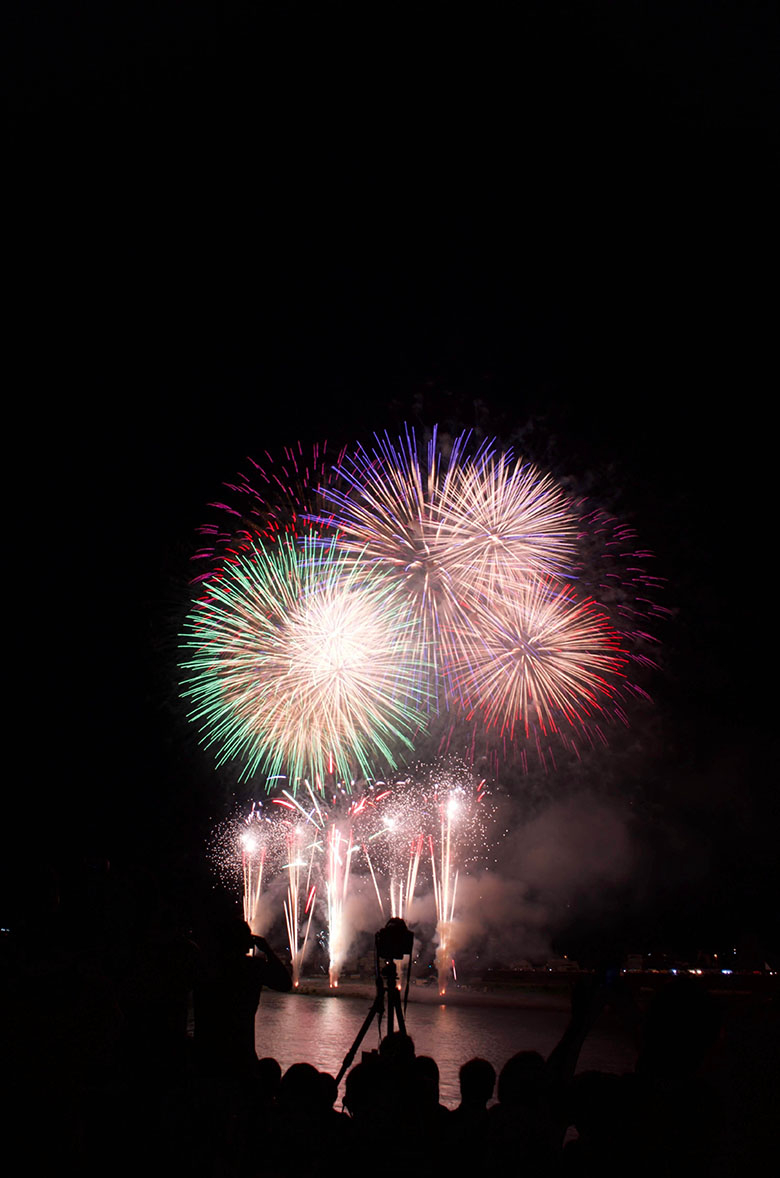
(377, 1008)
(394, 1007)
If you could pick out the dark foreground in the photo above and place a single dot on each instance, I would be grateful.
(652, 1075)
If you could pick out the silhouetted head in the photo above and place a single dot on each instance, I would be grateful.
(477, 1080)
(269, 1073)
(300, 1088)
(397, 1048)
(366, 1089)
(426, 1072)
(522, 1079)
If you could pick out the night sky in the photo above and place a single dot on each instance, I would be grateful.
(230, 232)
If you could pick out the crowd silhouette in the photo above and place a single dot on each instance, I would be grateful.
(108, 1071)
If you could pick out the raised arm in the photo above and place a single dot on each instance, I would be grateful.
(275, 975)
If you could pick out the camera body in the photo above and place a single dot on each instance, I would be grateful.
(395, 940)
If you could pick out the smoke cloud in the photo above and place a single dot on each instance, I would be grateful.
(574, 860)
(569, 860)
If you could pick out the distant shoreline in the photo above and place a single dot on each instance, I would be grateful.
(455, 996)
(552, 992)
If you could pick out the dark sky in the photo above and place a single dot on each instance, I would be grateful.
(231, 231)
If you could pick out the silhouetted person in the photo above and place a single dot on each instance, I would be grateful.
(664, 1115)
(469, 1121)
(226, 997)
(156, 973)
(520, 1127)
(426, 1089)
(336, 1126)
(253, 1123)
(397, 1049)
(365, 1095)
(379, 1097)
(397, 1060)
(674, 1107)
(269, 1077)
(307, 1135)
(606, 1136)
(427, 1119)
(477, 1079)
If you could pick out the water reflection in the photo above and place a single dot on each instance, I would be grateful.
(320, 1030)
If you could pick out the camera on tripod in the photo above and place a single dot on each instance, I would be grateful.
(394, 941)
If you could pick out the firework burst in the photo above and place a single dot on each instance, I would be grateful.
(450, 532)
(389, 517)
(445, 578)
(269, 501)
(502, 521)
(541, 657)
(296, 660)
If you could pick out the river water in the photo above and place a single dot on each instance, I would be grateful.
(320, 1029)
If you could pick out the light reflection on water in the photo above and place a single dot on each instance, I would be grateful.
(320, 1030)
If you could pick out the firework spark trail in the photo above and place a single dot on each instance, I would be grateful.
(295, 910)
(297, 660)
(372, 872)
(405, 898)
(445, 887)
(339, 857)
(400, 889)
(341, 845)
(342, 825)
(312, 837)
(299, 902)
(397, 826)
(253, 861)
(402, 883)
(451, 808)
(336, 823)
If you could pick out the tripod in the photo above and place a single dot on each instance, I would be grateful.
(386, 978)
